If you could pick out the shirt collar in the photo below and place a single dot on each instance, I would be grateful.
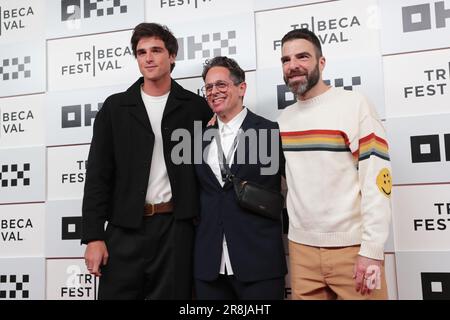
(234, 124)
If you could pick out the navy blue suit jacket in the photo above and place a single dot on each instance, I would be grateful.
(254, 242)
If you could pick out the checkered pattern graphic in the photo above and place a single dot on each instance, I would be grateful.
(13, 288)
(16, 68)
(339, 83)
(224, 44)
(217, 37)
(116, 8)
(11, 176)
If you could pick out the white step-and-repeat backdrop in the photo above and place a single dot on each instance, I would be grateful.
(59, 60)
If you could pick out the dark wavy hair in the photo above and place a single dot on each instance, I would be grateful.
(145, 30)
(236, 73)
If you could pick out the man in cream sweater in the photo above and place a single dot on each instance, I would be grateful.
(338, 178)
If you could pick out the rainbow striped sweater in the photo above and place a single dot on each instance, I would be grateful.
(337, 172)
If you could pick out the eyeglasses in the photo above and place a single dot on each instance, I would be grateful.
(221, 86)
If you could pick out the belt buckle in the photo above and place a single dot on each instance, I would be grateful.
(153, 209)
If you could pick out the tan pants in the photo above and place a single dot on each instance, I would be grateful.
(327, 273)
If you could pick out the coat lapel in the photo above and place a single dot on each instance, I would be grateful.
(136, 107)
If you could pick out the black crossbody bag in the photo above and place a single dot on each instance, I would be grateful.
(250, 195)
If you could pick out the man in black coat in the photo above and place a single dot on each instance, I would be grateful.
(238, 253)
(132, 183)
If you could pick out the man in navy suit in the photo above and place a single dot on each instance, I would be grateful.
(238, 254)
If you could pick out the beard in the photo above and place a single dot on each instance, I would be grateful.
(299, 88)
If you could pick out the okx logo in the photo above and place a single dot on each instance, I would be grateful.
(339, 83)
(78, 9)
(71, 228)
(208, 45)
(435, 285)
(15, 68)
(14, 175)
(426, 148)
(419, 17)
(13, 286)
(76, 116)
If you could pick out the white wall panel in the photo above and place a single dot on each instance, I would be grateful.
(22, 121)
(417, 83)
(421, 218)
(345, 28)
(78, 17)
(22, 68)
(22, 279)
(21, 20)
(66, 172)
(233, 37)
(419, 149)
(68, 279)
(63, 229)
(22, 176)
(423, 275)
(70, 114)
(91, 61)
(164, 11)
(411, 25)
(22, 230)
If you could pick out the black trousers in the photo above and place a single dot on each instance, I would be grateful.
(153, 262)
(227, 287)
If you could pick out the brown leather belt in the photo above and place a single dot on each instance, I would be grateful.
(151, 209)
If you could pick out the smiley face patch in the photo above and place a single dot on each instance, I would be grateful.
(384, 182)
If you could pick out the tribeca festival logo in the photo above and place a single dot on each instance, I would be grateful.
(71, 228)
(14, 19)
(75, 177)
(78, 284)
(435, 285)
(14, 175)
(436, 84)
(11, 229)
(182, 3)
(285, 97)
(420, 17)
(208, 46)
(73, 11)
(328, 31)
(14, 286)
(96, 60)
(15, 68)
(440, 223)
(76, 116)
(426, 148)
(14, 122)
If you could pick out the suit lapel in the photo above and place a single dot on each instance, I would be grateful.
(250, 122)
(205, 165)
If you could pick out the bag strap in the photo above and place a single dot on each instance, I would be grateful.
(223, 162)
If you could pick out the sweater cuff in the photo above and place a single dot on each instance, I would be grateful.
(372, 250)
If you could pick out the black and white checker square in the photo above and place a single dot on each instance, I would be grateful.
(339, 83)
(116, 8)
(14, 287)
(16, 67)
(11, 176)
